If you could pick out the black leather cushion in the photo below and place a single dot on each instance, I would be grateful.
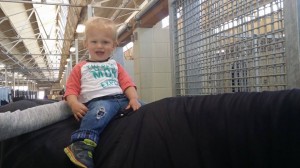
(240, 130)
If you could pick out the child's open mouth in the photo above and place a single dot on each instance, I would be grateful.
(99, 52)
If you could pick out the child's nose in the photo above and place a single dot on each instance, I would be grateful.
(99, 45)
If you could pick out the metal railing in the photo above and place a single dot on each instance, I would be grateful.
(228, 46)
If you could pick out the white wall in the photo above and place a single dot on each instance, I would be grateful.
(152, 63)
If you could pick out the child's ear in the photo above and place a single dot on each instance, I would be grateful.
(115, 44)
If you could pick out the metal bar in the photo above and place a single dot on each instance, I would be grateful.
(126, 14)
(13, 25)
(2, 20)
(14, 60)
(8, 51)
(101, 2)
(71, 61)
(117, 8)
(124, 26)
(90, 11)
(292, 30)
(172, 28)
(25, 22)
(6, 17)
(43, 3)
(6, 84)
(117, 12)
(44, 57)
(77, 50)
(42, 54)
(14, 84)
(149, 5)
(17, 62)
(38, 16)
(42, 69)
(16, 28)
(54, 25)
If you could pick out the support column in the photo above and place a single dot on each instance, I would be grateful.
(172, 29)
(6, 82)
(292, 42)
(90, 12)
(76, 52)
(71, 62)
(14, 84)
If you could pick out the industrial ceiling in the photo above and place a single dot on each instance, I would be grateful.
(36, 35)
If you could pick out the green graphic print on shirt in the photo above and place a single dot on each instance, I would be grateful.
(108, 71)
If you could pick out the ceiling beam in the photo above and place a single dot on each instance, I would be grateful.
(159, 11)
(34, 38)
(155, 14)
(43, 3)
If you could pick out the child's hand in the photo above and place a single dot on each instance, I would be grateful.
(134, 104)
(79, 110)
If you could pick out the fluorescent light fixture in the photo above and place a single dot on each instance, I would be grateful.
(80, 28)
(72, 49)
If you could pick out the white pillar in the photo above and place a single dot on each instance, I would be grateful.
(14, 84)
(6, 82)
(76, 52)
(90, 11)
(71, 62)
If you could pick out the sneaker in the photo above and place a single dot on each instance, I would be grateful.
(81, 153)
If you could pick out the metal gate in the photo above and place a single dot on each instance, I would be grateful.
(223, 46)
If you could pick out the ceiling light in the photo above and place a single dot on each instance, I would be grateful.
(72, 49)
(80, 28)
(68, 59)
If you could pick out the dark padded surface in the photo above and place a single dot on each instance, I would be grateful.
(241, 130)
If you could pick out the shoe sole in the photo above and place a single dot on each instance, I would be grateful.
(71, 156)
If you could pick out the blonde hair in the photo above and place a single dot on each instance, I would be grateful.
(102, 24)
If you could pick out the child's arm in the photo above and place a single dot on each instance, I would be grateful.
(78, 109)
(73, 90)
(132, 95)
(129, 88)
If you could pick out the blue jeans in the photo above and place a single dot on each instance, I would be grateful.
(100, 112)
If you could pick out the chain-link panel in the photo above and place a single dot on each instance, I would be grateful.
(223, 46)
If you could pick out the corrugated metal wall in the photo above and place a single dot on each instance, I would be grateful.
(223, 46)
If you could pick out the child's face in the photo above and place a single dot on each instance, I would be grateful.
(100, 44)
